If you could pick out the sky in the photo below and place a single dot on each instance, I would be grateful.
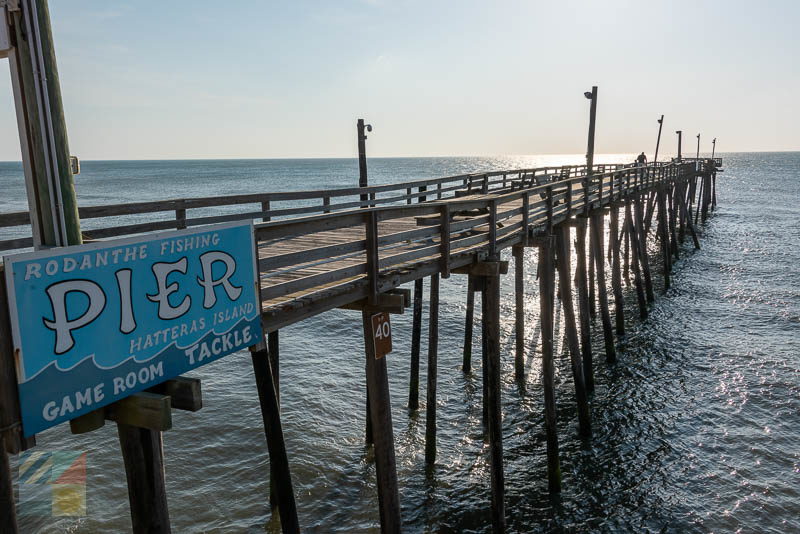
(258, 79)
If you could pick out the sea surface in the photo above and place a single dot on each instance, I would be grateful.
(696, 427)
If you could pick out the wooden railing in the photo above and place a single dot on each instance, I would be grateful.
(325, 201)
(374, 258)
(176, 214)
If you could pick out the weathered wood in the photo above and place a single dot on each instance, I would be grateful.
(381, 416)
(563, 259)
(143, 410)
(484, 268)
(643, 256)
(616, 273)
(596, 235)
(143, 456)
(466, 365)
(10, 420)
(276, 446)
(8, 511)
(416, 336)
(583, 304)
(494, 413)
(184, 393)
(519, 313)
(546, 295)
(385, 302)
(433, 348)
(635, 262)
(663, 231)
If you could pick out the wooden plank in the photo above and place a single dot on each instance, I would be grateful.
(416, 335)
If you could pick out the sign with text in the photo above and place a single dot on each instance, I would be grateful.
(95, 323)
(382, 334)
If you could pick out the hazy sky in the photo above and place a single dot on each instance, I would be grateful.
(199, 79)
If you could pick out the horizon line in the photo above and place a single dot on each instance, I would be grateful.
(287, 158)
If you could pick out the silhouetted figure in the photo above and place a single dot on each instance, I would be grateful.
(641, 160)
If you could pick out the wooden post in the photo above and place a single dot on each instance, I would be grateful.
(616, 272)
(143, 455)
(433, 347)
(642, 239)
(635, 261)
(492, 320)
(583, 303)
(484, 355)
(42, 128)
(519, 323)
(546, 294)
(363, 181)
(664, 236)
(273, 350)
(273, 429)
(592, 299)
(381, 415)
(564, 281)
(468, 326)
(596, 235)
(8, 517)
(416, 336)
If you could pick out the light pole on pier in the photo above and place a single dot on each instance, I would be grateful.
(592, 114)
(658, 140)
(698, 147)
(713, 147)
(362, 156)
(680, 135)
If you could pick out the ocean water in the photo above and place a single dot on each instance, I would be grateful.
(696, 427)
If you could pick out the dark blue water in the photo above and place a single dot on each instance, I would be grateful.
(697, 426)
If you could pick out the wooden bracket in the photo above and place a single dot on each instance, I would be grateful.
(151, 409)
(389, 302)
(142, 410)
(483, 268)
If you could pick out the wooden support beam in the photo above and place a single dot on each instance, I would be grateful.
(273, 429)
(519, 315)
(597, 238)
(468, 326)
(663, 232)
(483, 268)
(184, 393)
(143, 455)
(616, 272)
(416, 336)
(433, 348)
(635, 262)
(143, 410)
(385, 302)
(581, 285)
(494, 412)
(564, 283)
(643, 256)
(381, 416)
(546, 295)
(592, 299)
(8, 511)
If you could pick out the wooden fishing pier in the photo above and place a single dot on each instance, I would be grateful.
(353, 248)
(356, 248)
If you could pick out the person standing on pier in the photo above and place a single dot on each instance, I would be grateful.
(641, 160)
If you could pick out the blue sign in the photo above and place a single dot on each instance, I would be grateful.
(95, 323)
